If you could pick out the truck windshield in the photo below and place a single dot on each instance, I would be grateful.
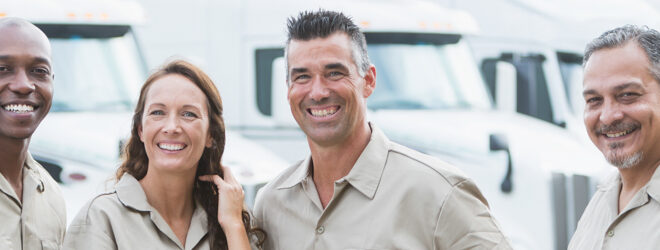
(96, 74)
(426, 76)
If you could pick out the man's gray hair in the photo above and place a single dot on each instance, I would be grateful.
(323, 23)
(648, 39)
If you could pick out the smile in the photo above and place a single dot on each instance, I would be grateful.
(323, 112)
(619, 134)
(19, 108)
(171, 147)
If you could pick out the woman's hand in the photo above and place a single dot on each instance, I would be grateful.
(230, 199)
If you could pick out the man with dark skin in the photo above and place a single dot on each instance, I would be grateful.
(31, 205)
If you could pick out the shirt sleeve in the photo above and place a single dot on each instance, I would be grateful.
(89, 230)
(465, 221)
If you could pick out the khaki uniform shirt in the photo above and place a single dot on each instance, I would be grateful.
(637, 227)
(393, 198)
(123, 219)
(39, 221)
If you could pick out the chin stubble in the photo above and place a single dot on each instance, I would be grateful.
(623, 161)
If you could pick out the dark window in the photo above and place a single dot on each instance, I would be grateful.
(264, 75)
(533, 97)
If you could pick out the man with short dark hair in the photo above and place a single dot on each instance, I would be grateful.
(622, 116)
(31, 206)
(358, 190)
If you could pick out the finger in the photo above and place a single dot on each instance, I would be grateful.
(213, 178)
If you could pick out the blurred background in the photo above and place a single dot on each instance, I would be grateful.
(491, 86)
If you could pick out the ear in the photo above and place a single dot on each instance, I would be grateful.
(369, 81)
(209, 140)
(140, 132)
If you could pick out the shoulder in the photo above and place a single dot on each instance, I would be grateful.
(266, 191)
(419, 165)
(92, 228)
(98, 209)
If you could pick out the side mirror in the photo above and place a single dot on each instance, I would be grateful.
(499, 142)
(281, 111)
(505, 86)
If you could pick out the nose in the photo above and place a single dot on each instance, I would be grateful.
(610, 113)
(172, 125)
(319, 89)
(21, 83)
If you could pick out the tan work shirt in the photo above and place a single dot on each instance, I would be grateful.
(39, 221)
(637, 227)
(123, 219)
(393, 198)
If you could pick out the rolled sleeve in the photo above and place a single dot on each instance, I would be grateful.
(464, 221)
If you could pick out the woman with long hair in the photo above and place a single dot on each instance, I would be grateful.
(171, 191)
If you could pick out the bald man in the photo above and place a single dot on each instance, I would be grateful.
(32, 212)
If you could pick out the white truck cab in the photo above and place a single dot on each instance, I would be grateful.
(544, 41)
(429, 96)
(99, 69)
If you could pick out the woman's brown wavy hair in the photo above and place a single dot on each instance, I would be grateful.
(135, 160)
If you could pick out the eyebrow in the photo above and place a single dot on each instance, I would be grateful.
(184, 106)
(37, 59)
(628, 85)
(618, 88)
(298, 70)
(336, 66)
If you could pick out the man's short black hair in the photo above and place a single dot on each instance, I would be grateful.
(323, 23)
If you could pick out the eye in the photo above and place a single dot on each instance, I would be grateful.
(189, 114)
(592, 100)
(335, 75)
(157, 112)
(301, 78)
(629, 95)
(4, 68)
(42, 71)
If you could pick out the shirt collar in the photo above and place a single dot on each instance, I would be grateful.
(366, 173)
(654, 185)
(32, 180)
(131, 194)
(298, 175)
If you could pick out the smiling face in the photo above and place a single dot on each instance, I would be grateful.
(26, 80)
(326, 94)
(175, 124)
(622, 112)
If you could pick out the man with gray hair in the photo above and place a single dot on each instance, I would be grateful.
(622, 116)
(31, 205)
(358, 190)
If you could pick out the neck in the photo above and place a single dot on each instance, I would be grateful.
(12, 158)
(636, 177)
(170, 194)
(331, 163)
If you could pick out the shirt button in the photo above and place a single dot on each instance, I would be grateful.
(320, 230)
(610, 233)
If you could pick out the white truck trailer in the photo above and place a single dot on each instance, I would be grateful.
(429, 96)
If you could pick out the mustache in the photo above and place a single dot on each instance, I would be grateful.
(617, 127)
(332, 99)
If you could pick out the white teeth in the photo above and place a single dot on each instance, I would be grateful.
(19, 108)
(323, 112)
(618, 134)
(171, 147)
